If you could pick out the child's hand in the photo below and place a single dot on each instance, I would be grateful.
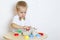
(27, 28)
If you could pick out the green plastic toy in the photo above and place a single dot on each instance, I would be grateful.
(19, 31)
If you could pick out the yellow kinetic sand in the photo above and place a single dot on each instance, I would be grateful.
(26, 37)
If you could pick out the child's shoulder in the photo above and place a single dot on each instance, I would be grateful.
(16, 16)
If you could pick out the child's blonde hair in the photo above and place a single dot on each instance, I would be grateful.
(21, 3)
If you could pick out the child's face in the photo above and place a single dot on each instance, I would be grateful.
(22, 12)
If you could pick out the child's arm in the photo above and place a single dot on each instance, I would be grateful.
(13, 25)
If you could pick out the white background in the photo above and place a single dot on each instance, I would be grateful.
(45, 14)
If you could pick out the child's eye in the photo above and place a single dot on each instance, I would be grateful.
(21, 12)
(24, 12)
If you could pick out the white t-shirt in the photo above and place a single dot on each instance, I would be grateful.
(25, 22)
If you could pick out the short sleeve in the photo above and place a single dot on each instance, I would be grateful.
(14, 20)
(17, 21)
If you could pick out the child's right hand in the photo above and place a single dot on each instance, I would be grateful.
(27, 28)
